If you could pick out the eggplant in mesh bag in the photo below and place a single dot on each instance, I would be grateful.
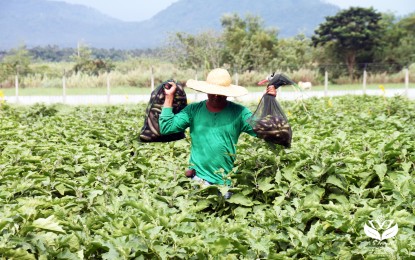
(269, 121)
(150, 132)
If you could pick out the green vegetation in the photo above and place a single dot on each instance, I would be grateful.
(351, 34)
(17, 62)
(76, 184)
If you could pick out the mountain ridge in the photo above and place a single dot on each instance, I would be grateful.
(43, 22)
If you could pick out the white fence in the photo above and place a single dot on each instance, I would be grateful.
(109, 98)
(253, 96)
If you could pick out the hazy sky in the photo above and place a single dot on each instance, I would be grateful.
(139, 10)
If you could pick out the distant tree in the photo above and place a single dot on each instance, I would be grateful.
(408, 23)
(203, 50)
(398, 42)
(351, 33)
(85, 63)
(83, 53)
(408, 40)
(17, 61)
(52, 53)
(248, 45)
(293, 53)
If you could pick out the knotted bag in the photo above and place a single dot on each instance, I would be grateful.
(150, 132)
(270, 123)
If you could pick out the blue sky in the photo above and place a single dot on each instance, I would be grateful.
(139, 10)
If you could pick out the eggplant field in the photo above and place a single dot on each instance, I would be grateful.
(76, 183)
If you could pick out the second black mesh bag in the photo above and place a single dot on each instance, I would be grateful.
(150, 132)
(270, 123)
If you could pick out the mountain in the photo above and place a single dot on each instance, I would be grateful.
(43, 22)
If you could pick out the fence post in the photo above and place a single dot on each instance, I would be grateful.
(407, 81)
(108, 88)
(152, 79)
(64, 87)
(326, 83)
(236, 81)
(196, 78)
(16, 83)
(364, 80)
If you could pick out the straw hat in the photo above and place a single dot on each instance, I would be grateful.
(218, 82)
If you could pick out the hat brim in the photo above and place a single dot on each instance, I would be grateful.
(229, 91)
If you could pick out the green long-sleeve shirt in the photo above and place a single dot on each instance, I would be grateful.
(214, 136)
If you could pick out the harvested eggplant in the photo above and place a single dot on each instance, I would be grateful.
(150, 132)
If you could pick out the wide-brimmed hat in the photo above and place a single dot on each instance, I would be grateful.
(218, 82)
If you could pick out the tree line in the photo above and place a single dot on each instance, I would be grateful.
(353, 37)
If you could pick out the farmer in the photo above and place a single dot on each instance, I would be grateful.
(215, 125)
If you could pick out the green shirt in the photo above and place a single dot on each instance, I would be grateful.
(214, 136)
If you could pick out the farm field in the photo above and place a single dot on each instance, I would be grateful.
(75, 183)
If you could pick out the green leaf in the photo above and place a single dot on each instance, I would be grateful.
(49, 224)
(223, 189)
(279, 200)
(406, 166)
(93, 194)
(340, 198)
(241, 212)
(17, 254)
(72, 241)
(112, 252)
(332, 179)
(220, 245)
(381, 170)
(240, 199)
(68, 255)
(289, 174)
(265, 185)
(313, 197)
(201, 205)
(155, 232)
(61, 188)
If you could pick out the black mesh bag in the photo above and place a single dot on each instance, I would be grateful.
(150, 132)
(279, 80)
(270, 123)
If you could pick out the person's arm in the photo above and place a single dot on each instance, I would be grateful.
(169, 94)
(169, 122)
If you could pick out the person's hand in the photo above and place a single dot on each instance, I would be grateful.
(170, 90)
(271, 90)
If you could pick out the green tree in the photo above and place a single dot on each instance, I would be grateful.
(18, 61)
(52, 53)
(15, 62)
(84, 62)
(248, 45)
(398, 44)
(352, 33)
(82, 55)
(203, 50)
(293, 53)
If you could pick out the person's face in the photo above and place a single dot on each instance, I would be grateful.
(216, 100)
